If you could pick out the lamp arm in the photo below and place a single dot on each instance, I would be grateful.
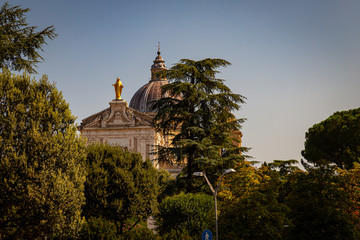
(211, 188)
(218, 186)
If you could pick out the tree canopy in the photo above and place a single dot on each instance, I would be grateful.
(42, 159)
(119, 185)
(249, 204)
(197, 113)
(262, 203)
(285, 167)
(321, 205)
(20, 43)
(335, 140)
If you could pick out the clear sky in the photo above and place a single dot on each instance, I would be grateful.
(296, 62)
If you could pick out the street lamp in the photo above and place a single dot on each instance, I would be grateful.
(215, 192)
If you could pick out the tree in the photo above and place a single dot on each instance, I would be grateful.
(119, 186)
(196, 113)
(249, 204)
(41, 161)
(185, 213)
(99, 228)
(19, 42)
(335, 140)
(320, 206)
(350, 181)
(285, 166)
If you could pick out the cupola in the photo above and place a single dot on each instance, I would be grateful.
(150, 92)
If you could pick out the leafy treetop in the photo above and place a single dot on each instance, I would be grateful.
(119, 186)
(42, 159)
(335, 140)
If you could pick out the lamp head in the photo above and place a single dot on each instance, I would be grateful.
(198, 174)
(230, 170)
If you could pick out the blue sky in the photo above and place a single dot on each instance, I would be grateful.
(296, 62)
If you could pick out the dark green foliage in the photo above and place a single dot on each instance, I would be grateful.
(139, 233)
(167, 185)
(185, 214)
(119, 186)
(103, 229)
(99, 228)
(172, 187)
(20, 43)
(335, 140)
(284, 166)
(350, 181)
(258, 216)
(197, 113)
(319, 205)
(177, 234)
(249, 205)
(41, 161)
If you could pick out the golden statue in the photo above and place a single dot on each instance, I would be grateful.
(118, 88)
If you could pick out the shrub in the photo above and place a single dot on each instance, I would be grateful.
(139, 233)
(191, 213)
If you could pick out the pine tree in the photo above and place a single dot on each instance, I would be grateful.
(19, 42)
(42, 170)
(197, 114)
(335, 140)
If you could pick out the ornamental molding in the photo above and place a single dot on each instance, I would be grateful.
(118, 115)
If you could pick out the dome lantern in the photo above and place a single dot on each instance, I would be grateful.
(150, 92)
(159, 64)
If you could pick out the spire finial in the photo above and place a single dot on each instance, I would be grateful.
(158, 52)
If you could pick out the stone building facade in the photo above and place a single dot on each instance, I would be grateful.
(129, 126)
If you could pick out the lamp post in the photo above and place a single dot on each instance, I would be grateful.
(215, 192)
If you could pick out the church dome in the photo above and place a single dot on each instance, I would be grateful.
(146, 95)
(150, 92)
